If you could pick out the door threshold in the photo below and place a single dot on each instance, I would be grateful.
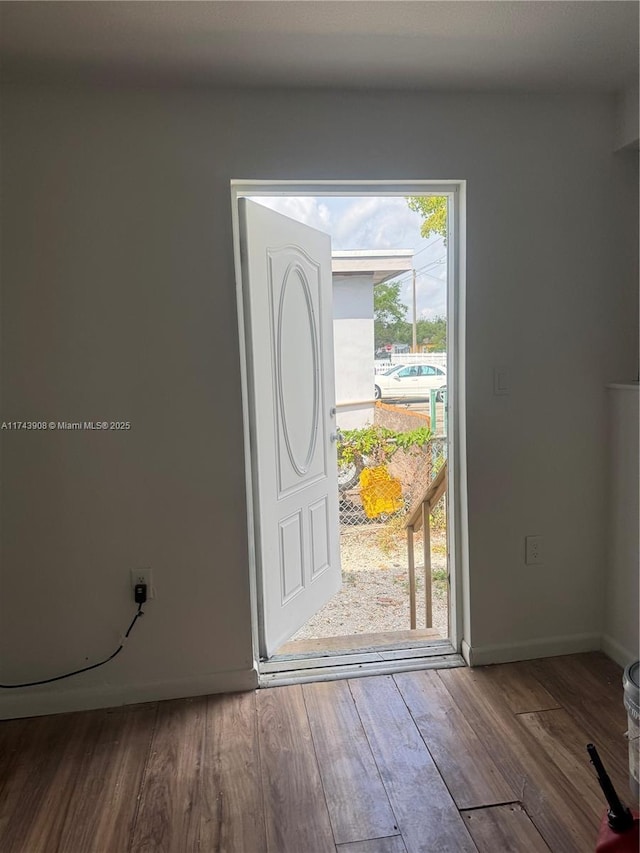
(303, 669)
(352, 643)
(365, 651)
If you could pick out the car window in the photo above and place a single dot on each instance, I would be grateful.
(391, 370)
(427, 370)
(408, 371)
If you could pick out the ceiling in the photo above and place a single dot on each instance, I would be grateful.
(423, 44)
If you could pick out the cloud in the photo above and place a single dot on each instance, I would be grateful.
(431, 296)
(306, 209)
(375, 222)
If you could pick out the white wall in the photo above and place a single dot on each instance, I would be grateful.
(118, 300)
(622, 557)
(353, 343)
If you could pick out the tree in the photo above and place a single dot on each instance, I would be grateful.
(388, 312)
(434, 333)
(391, 326)
(433, 209)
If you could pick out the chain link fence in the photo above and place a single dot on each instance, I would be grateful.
(372, 494)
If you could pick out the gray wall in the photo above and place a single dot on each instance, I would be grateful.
(119, 303)
(621, 639)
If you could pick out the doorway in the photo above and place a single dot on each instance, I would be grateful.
(292, 437)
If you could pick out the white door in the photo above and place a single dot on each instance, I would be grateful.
(286, 274)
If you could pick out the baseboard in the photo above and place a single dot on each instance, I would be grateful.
(612, 648)
(465, 651)
(543, 648)
(41, 701)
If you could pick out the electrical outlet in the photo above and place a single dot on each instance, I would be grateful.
(143, 575)
(501, 385)
(533, 550)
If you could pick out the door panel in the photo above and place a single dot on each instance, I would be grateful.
(286, 270)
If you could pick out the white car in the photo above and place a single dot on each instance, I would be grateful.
(409, 380)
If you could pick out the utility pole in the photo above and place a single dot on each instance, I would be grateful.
(414, 347)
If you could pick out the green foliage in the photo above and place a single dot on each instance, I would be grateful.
(390, 323)
(386, 303)
(433, 209)
(434, 333)
(377, 443)
(439, 578)
(388, 312)
(431, 332)
(414, 438)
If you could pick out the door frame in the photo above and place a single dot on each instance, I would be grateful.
(457, 516)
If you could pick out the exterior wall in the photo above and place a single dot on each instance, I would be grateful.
(353, 343)
(119, 302)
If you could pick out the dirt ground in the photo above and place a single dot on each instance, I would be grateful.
(375, 585)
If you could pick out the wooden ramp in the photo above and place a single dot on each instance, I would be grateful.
(420, 516)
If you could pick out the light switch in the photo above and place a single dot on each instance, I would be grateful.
(500, 381)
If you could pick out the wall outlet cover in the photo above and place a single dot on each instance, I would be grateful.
(501, 383)
(143, 575)
(533, 550)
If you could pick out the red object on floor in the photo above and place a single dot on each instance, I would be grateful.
(620, 827)
(618, 842)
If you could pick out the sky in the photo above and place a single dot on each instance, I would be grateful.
(377, 223)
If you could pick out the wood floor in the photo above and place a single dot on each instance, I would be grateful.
(490, 759)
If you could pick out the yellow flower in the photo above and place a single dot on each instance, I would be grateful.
(380, 492)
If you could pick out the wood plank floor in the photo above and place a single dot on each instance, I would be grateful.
(491, 760)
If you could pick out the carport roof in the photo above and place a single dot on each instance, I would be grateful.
(381, 264)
